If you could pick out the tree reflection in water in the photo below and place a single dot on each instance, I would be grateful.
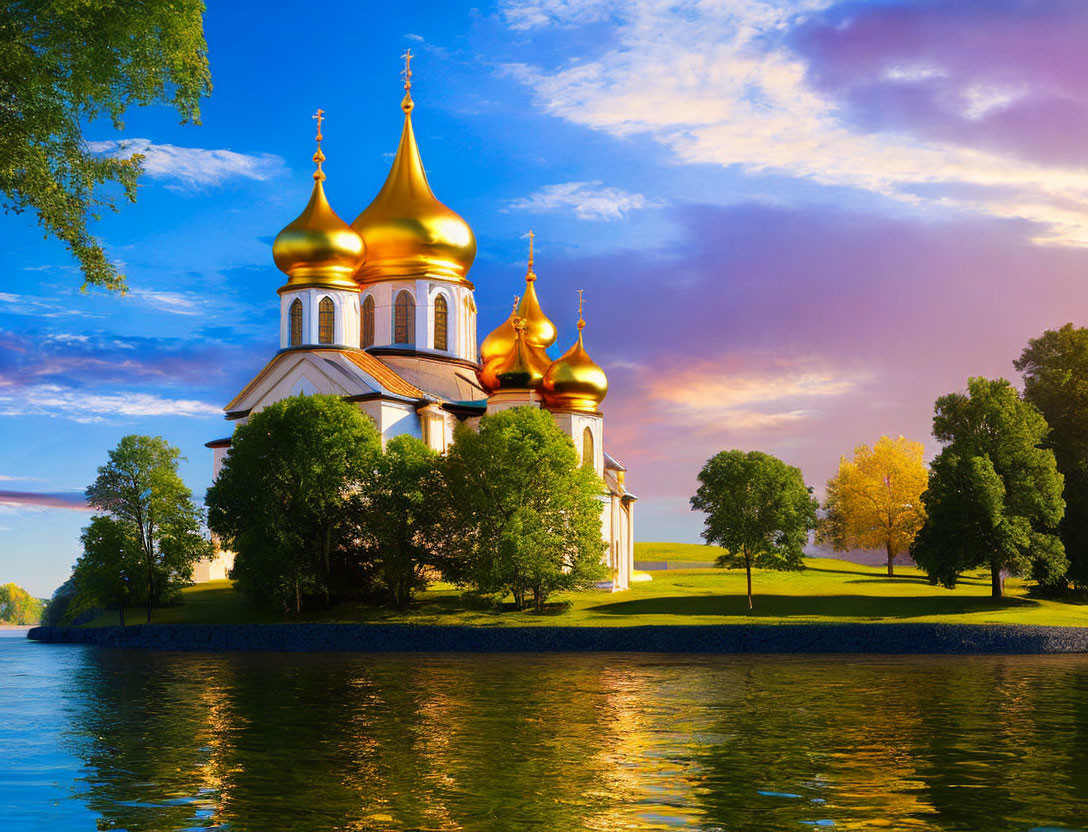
(512, 742)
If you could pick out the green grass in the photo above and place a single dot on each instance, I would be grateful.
(677, 553)
(827, 591)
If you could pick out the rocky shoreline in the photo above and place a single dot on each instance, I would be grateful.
(890, 639)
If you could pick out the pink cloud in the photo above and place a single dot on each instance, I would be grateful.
(71, 501)
(999, 74)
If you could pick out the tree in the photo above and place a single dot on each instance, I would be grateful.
(1055, 368)
(521, 514)
(758, 509)
(63, 65)
(994, 479)
(17, 606)
(396, 515)
(875, 499)
(140, 489)
(281, 501)
(108, 573)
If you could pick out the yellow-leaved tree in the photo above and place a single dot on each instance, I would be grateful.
(875, 501)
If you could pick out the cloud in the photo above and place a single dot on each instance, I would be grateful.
(7, 478)
(724, 84)
(68, 500)
(729, 395)
(588, 200)
(192, 166)
(82, 406)
(176, 303)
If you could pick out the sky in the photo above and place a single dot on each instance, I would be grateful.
(797, 223)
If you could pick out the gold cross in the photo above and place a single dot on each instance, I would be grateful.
(581, 320)
(320, 116)
(531, 236)
(407, 69)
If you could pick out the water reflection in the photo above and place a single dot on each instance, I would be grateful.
(268, 742)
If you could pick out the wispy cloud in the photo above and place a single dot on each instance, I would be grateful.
(721, 84)
(81, 406)
(176, 303)
(37, 499)
(588, 200)
(192, 166)
(743, 393)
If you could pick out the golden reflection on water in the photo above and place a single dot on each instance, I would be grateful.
(513, 742)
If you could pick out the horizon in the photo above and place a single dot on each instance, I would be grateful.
(797, 225)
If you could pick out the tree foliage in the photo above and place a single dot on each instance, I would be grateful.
(17, 606)
(396, 516)
(109, 572)
(875, 499)
(281, 501)
(139, 488)
(64, 64)
(520, 514)
(1055, 368)
(757, 508)
(994, 479)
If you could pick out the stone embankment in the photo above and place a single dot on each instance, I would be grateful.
(892, 639)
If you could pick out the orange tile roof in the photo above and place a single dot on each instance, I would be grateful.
(385, 376)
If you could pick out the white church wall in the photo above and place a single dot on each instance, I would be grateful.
(345, 327)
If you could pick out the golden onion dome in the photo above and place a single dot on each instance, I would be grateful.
(539, 330)
(575, 381)
(408, 232)
(500, 350)
(523, 367)
(318, 248)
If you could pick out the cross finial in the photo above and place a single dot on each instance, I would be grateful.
(530, 275)
(517, 300)
(406, 104)
(581, 301)
(319, 156)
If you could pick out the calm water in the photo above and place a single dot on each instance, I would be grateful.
(102, 739)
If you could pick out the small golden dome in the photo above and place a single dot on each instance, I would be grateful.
(318, 248)
(501, 350)
(574, 381)
(523, 367)
(408, 232)
(539, 330)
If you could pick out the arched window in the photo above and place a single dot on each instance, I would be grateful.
(587, 448)
(404, 319)
(295, 321)
(368, 321)
(441, 323)
(325, 314)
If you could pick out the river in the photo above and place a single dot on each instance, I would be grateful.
(92, 738)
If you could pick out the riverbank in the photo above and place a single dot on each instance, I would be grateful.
(891, 639)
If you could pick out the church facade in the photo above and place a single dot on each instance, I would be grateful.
(382, 313)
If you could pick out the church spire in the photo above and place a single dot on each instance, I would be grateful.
(408, 231)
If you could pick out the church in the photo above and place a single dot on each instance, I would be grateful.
(381, 312)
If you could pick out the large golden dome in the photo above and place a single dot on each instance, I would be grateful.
(574, 381)
(509, 344)
(318, 248)
(408, 232)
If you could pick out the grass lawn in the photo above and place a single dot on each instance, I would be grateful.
(827, 591)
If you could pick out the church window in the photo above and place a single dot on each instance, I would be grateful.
(325, 315)
(587, 448)
(295, 321)
(441, 323)
(404, 319)
(368, 321)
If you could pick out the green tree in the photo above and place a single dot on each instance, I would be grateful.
(140, 489)
(396, 515)
(64, 64)
(17, 606)
(1055, 368)
(758, 509)
(521, 515)
(994, 476)
(281, 501)
(108, 573)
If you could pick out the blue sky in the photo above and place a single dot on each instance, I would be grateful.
(797, 222)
